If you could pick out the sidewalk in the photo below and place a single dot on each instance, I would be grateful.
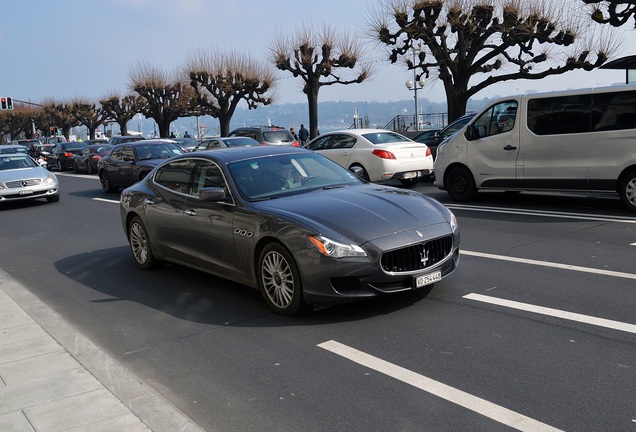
(52, 378)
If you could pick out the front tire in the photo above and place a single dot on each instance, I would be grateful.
(89, 168)
(627, 191)
(279, 280)
(460, 185)
(140, 244)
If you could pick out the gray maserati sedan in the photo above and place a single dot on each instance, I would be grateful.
(291, 223)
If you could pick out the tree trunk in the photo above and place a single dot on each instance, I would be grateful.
(456, 100)
(224, 125)
(164, 128)
(123, 128)
(312, 99)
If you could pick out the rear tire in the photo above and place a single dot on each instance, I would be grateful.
(105, 181)
(140, 244)
(89, 168)
(279, 280)
(627, 191)
(460, 185)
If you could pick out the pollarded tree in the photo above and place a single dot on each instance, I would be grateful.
(61, 114)
(90, 115)
(321, 58)
(19, 121)
(222, 80)
(613, 12)
(473, 44)
(122, 109)
(166, 98)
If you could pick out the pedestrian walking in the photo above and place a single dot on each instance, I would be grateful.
(293, 132)
(303, 135)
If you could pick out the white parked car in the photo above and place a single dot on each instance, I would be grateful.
(381, 154)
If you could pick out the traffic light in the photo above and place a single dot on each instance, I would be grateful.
(3, 103)
(9, 103)
(53, 131)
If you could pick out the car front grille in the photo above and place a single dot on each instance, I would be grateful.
(23, 183)
(417, 257)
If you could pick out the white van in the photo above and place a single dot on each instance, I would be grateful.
(567, 141)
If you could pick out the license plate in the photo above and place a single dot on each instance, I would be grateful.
(428, 279)
(26, 192)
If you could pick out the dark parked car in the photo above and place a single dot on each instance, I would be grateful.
(120, 139)
(187, 144)
(290, 222)
(128, 163)
(450, 129)
(62, 155)
(88, 158)
(224, 142)
(267, 135)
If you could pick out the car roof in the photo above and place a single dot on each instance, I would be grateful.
(232, 154)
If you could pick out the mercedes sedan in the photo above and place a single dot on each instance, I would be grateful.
(21, 178)
(291, 223)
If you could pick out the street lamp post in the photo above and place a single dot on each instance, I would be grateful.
(415, 86)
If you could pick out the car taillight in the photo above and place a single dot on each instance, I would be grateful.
(264, 143)
(428, 151)
(68, 155)
(384, 154)
(295, 144)
(96, 157)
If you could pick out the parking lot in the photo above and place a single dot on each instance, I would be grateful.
(536, 331)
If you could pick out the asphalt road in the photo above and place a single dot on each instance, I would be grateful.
(536, 331)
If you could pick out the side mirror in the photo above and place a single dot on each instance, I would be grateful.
(357, 171)
(470, 133)
(212, 194)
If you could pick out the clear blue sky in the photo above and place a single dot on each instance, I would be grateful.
(85, 48)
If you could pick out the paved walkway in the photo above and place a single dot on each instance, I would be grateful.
(52, 378)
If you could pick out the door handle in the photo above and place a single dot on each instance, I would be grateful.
(149, 201)
(190, 212)
(509, 147)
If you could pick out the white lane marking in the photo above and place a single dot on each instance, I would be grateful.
(551, 264)
(441, 390)
(558, 215)
(586, 319)
(106, 200)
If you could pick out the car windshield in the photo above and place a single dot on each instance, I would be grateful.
(16, 162)
(384, 137)
(12, 149)
(278, 136)
(275, 176)
(240, 142)
(157, 151)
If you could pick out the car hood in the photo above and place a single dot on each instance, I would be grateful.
(361, 213)
(22, 174)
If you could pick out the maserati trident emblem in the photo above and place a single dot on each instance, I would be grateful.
(424, 257)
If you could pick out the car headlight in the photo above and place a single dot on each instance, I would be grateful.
(453, 222)
(49, 180)
(335, 249)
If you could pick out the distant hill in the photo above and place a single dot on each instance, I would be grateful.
(331, 115)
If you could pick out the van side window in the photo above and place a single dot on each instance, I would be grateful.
(614, 111)
(498, 119)
(560, 115)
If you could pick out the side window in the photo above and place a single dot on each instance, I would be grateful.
(127, 152)
(321, 143)
(207, 174)
(343, 141)
(560, 115)
(213, 144)
(614, 111)
(117, 153)
(175, 175)
(497, 119)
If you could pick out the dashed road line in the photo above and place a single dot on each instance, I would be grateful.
(551, 264)
(481, 406)
(570, 316)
